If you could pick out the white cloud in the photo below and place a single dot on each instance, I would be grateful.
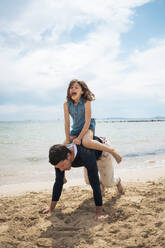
(65, 14)
(47, 57)
(147, 76)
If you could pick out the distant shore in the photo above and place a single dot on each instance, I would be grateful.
(106, 119)
(122, 120)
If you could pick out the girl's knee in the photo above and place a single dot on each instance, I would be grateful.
(87, 139)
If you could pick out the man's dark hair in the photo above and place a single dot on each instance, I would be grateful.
(58, 153)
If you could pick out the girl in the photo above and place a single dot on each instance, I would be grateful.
(78, 105)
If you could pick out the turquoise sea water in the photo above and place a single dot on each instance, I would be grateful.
(24, 147)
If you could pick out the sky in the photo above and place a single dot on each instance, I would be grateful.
(116, 47)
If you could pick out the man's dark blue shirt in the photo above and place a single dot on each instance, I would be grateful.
(87, 158)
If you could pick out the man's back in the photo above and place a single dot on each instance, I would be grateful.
(86, 155)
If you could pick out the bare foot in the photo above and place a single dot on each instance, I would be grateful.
(100, 217)
(117, 157)
(120, 188)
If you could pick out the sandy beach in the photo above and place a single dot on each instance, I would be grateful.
(135, 219)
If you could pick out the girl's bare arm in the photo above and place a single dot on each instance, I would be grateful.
(67, 122)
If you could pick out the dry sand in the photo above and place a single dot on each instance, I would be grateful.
(136, 219)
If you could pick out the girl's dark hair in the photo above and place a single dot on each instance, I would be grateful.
(58, 153)
(87, 94)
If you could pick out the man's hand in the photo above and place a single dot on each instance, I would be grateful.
(49, 209)
(46, 210)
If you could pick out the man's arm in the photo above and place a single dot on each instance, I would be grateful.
(56, 193)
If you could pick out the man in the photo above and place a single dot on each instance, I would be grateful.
(65, 157)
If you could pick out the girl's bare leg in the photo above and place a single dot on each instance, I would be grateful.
(71, 139)
(120, 187)
(88, 142)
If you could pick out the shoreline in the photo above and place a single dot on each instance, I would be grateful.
(130, 175)
(141, 174)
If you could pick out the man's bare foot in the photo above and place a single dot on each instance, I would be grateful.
(117, 157)
(120, 187)
(100, 217)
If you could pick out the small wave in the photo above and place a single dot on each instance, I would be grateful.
(5, 142)
(34, 159)
(143, 154)
(7, 175)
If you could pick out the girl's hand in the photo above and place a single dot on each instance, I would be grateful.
(66, 142)
(77, 141)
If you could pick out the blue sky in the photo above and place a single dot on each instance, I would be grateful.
(116, 47)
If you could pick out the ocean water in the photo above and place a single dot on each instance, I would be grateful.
(24, 147)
